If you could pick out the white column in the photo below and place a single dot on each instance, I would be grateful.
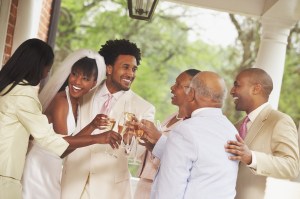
(28, 20)
(272, 52)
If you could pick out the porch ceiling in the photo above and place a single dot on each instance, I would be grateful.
(279, 9)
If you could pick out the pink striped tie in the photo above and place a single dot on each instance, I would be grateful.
(243, 128)
(105, 107)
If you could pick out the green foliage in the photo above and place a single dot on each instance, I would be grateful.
(289, 97)
(166, 50)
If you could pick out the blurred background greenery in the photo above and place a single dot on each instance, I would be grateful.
(167, 49)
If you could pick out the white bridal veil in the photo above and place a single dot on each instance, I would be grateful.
(56, 80)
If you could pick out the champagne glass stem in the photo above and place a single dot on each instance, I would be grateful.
(136, 148)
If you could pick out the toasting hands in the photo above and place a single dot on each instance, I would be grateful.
(101, 122)
(109, 137)
(151, 134)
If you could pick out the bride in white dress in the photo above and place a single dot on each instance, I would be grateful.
(42, 172)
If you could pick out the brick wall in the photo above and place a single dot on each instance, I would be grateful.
(45, 20)
(43, 26)
(10, 30)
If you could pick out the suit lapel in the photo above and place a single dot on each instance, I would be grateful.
(257, 124)
(86, 108)
(119, 107)
(120, 103)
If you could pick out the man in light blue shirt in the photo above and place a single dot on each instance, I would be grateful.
(193, 161)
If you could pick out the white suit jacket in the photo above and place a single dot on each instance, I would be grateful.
(273, 138)
(109, 177)
(194, 163)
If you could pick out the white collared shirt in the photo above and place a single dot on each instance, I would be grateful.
(253, 115)
(195, 112)
(186, 169)
(101, 97)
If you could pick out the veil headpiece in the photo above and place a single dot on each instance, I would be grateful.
(56, 80)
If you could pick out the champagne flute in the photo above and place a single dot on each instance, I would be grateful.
(111, 122)
(121, 128)
(129, 131)
(109, 127)
(158, 125)
(138, 133)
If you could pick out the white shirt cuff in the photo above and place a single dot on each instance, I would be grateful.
(253, 164)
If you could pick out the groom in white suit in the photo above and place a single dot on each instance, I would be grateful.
(90, 172)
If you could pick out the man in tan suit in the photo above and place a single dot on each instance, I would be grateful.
(95, 172)
(270, 148)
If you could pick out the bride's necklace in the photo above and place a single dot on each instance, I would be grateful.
(178, 118)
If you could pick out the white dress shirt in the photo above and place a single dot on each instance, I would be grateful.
(101, 97)
(194, 163)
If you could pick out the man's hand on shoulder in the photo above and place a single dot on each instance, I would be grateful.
(239, 150)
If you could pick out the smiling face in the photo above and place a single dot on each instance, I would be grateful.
(121, 75)
(178, 89)
(242, 93)
(79, 83)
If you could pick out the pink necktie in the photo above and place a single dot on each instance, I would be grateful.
(105, 107)
(243, 128)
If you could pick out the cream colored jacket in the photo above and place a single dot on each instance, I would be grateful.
(21, 116)
(274, 139)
